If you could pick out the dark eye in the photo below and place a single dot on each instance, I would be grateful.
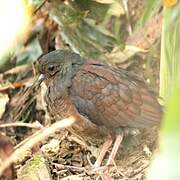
(52, 69)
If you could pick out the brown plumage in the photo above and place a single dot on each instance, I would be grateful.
(98, 93)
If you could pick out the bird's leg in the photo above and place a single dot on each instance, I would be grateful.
(103, 152)
(115, 148)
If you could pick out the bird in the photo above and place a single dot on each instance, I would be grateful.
(103, 99)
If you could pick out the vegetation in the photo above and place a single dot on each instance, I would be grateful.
(128, 34)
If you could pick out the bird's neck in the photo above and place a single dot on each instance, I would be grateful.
(77, 65)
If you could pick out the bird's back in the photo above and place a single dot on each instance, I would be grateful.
(114, 98)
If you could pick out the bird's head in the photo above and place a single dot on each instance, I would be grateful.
(59, 64)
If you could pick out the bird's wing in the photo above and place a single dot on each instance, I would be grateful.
(111, 97)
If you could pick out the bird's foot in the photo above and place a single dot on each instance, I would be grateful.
(103, 152)
(97, 168)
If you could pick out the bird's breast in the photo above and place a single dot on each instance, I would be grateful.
(59, 105)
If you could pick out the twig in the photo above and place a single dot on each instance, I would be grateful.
(62, 166)
(15, 85)
(40, 135)
(35, 125)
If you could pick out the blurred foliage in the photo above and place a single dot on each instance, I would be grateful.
(33, 51)
(166, 164)
(35, 4)
(93, 28)
(170, 51)
(169, 156)
(87, 26)
(5, 59)
(34, 169)
(151, 8)
(21, 55)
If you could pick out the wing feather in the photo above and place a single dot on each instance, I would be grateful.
(111, 97)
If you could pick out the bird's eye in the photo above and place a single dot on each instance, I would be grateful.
(52, 69)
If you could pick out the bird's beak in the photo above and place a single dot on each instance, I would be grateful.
(40, 79)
